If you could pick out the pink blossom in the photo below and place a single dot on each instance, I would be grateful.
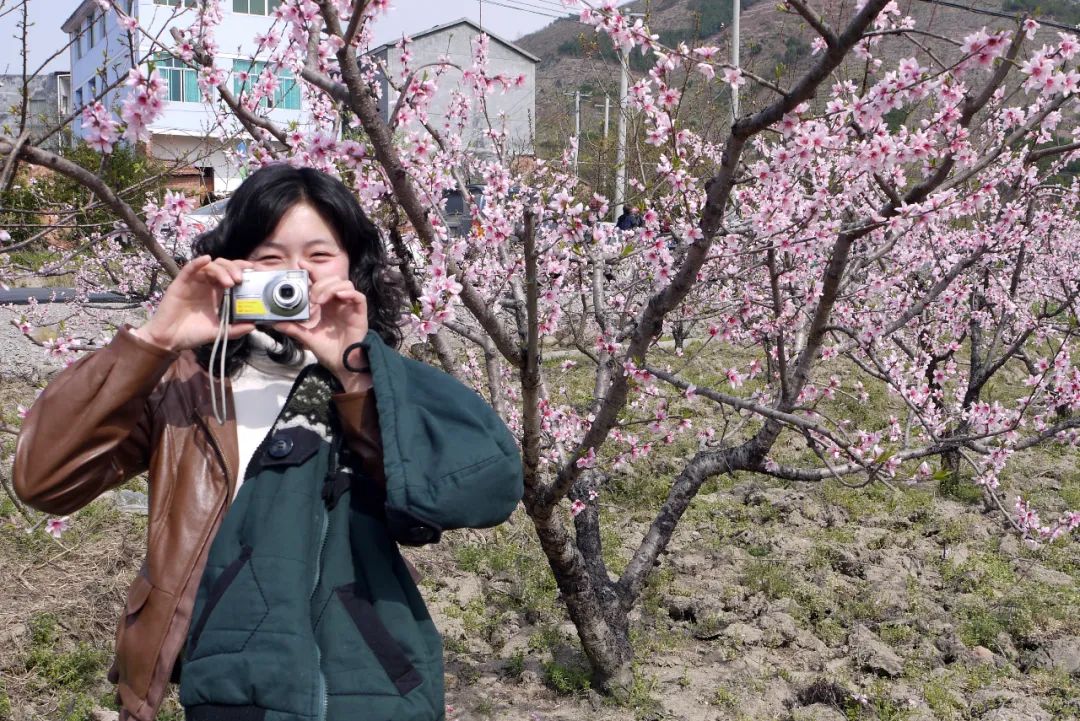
(99, 128)
(588, 460)
(56, 527)
(734, 77)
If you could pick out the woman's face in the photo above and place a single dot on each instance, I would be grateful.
(302, 239)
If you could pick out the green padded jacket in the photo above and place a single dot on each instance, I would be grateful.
(306, 609)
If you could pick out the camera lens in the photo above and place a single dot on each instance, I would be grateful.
(287, 295)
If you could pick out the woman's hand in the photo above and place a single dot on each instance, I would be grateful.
(188, 314)
(338, 319)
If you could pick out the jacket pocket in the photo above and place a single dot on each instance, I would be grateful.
(139, 635)
(138, 593)
(378, 645)
(234, 609)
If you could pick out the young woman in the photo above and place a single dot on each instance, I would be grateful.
(273, 587)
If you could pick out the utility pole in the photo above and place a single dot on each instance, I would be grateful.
(620, 138)
(602, 151)
(736, 11)
(607, 112)
(577, 125)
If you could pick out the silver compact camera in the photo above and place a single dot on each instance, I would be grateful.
(270, 295)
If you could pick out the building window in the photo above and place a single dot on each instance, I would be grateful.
(93, 88)
(255, 7)
(101, 25)
(76, 39)
(90, 32)
(287, 94)
(182, 82)
(63, 95)
(78, 99)
(176, 3)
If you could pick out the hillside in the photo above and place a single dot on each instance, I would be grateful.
(775, 45)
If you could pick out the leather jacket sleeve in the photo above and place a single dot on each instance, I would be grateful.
(360, 423)
(90, 429)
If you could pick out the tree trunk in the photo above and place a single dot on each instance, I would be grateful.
(602, 624)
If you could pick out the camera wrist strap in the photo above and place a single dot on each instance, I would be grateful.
(221, 341)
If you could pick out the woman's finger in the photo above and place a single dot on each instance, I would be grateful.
(238, 330)
(335, 292)
(293, 329)
(350, 295)
(235, 268)
(219, 276)
(324, 289)
(193, 266)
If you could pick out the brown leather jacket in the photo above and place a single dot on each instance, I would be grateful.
(132, 407)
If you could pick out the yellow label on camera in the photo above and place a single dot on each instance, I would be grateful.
(250, 306)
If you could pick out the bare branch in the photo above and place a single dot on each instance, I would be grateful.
(815, 20)
(37, 156)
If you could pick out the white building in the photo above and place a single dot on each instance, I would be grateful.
(102, 52)
(454, 41)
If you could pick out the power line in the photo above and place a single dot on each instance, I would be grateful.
(555, 6)
(541, 6)
(995, 13)
(524, 10)
(532, 5)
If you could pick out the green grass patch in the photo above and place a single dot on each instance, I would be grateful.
(861, 606)
(566, 680)
(960, 488)
(1060, 691)
(74, 670)
(980, 626)
(512, 552)
(772, 578)
(5, 702)
(897, 635)
(515, 666)
(986, 573)
(942, 703)
(724, 698)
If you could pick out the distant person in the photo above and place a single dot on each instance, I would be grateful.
(630, 219)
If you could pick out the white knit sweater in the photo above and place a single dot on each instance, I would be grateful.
(259, 392)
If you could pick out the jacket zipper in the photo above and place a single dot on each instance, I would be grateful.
(322, 690)
(215, 441)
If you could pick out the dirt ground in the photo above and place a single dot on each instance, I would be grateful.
(774, 602)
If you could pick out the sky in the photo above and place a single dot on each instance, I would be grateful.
(509, 18)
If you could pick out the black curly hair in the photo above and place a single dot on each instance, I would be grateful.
(257, 207)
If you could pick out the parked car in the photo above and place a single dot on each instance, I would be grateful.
(208, 216)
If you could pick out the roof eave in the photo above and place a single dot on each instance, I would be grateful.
(463, 21)
(70, 25)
